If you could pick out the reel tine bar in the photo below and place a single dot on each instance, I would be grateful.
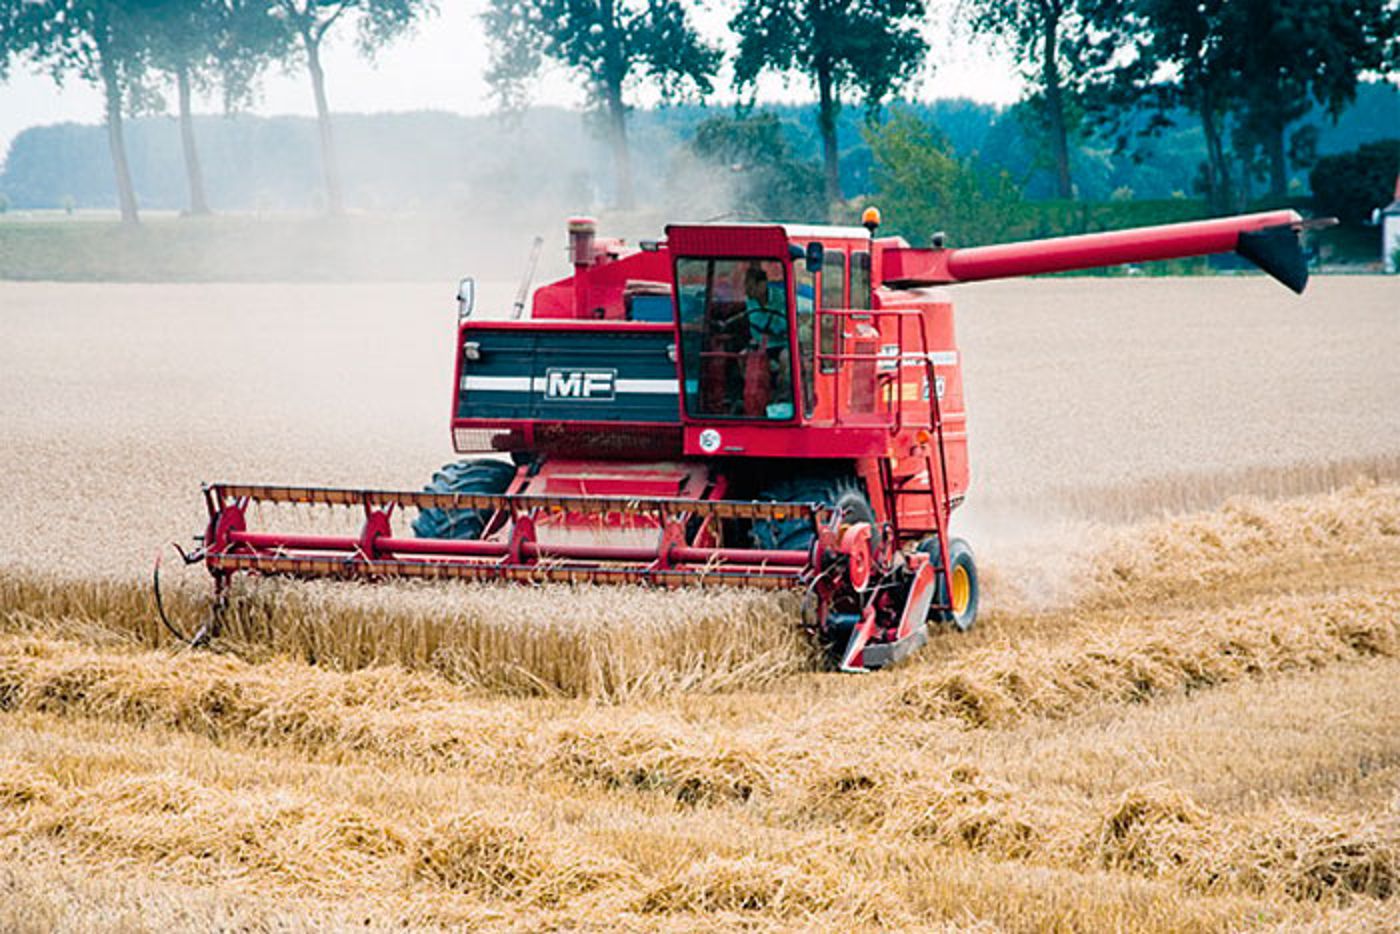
(592, 505)
(518, 556)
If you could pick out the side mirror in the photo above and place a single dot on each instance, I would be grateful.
(466, 297)
(815, 254)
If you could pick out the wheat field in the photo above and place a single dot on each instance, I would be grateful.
(1180, 710)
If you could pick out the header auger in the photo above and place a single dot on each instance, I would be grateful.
(752, 405)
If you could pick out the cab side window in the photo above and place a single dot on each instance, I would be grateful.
(834, 279)
(860, 280)
(805, 293)
(833, 296)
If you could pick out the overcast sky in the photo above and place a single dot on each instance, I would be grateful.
(442, 66)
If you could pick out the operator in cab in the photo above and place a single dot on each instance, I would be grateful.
(765, 321)
(768, 331)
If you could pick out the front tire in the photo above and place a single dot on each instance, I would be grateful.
(965, 590)
(487, 477)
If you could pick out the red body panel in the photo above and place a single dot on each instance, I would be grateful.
(614, 479)
(596, 291)
(742, 240)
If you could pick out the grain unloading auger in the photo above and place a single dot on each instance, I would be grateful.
(752, 405)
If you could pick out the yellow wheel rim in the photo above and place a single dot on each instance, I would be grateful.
(962, 590)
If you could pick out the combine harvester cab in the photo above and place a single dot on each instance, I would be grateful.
(751, 405)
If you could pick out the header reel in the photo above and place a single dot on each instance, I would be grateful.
(864, 601)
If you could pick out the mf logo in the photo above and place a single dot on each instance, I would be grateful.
(593, 385)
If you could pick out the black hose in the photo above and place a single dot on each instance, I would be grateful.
(201, 637)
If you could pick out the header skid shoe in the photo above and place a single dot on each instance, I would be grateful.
(841, 573)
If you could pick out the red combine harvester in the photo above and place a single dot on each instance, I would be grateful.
(754, 405)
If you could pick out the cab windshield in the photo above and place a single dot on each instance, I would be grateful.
(734, 338)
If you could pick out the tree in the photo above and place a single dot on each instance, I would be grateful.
(1045, 37)
(923, 187)
(379, 22)
(207, 42)
(612, 44)
(8, 12)
(1350, 185)
(1246, 68)
(867, 48)
(753, 150)
(1290, 53)
(1179, 56)
(100, 42)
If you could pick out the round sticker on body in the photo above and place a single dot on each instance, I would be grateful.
(709, 441)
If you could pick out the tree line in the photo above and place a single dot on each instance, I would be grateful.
(1246, 70)
(133, 49)
(699, 161)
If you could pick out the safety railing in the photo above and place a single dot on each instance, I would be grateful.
(894, 403)
(905, 318)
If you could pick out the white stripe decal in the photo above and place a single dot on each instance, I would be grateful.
(939, 358)
(665, 387)
(497, 383)
(660, 387)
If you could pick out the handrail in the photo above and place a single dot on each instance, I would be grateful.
(936, 414)
(939, 493)
(894, 419)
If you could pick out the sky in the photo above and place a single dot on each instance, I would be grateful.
(442, 66)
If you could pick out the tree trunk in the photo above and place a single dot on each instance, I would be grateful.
(1055, 106)
(116, 141)
(329, 165)
(617, 139)
(828, 107)
(1218, 189)
(198, 203)
(615, 68)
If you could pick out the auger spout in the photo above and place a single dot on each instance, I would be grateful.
(1268, 239)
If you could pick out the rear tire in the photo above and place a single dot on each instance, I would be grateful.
(966, 591)
(844, 493)
(488, 477)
